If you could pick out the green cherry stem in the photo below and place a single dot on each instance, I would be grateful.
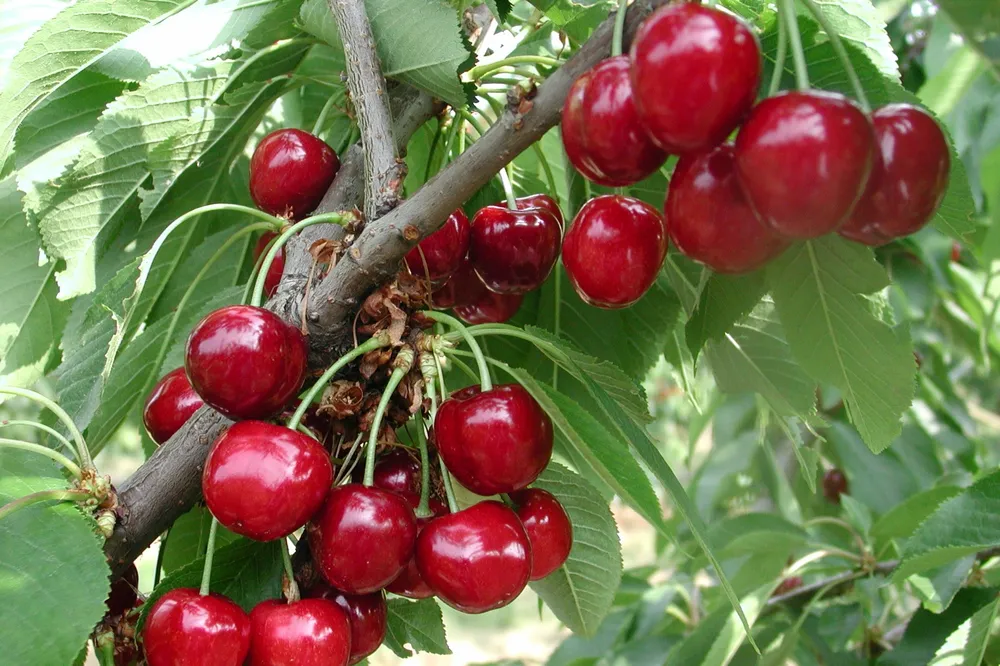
(617, 35)
(292, 590)
(838, 47)
(56, 494)
(479, 72)
(52, 454)
(508, 189)
(160, 553)
(325, 113)
(400, 366)
(424, 507)
(779, 59)
(82, 452)
(485, 382)
(44, 428)
(206, 573)
(787, 12)
(449, 491)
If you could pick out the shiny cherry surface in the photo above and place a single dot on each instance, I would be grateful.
(695, 73)
(549, 529)
(856, 230)
(410, 583)
(440, 255)
(476, 560)
(170, 404)
(543, 201)
(309, 632)
(290, 171)
(463, 288)
(362, 538)
(803, 160)
(184, 628)
(265, 481)
(490, 308)
(277, 267)
(366, 614)
(245, 361)
(709, 219)
(513, 251)
(614, 250)
(398, 471)
(495, 441)
(601, 130)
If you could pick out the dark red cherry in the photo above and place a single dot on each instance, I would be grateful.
(495, 441)
(787, 585)
(956, 252)
(803, 159)
(362, 538)
(171, 403)
(366, 614)
(490, 308)
(834, 485)
(601, 130)
(709, 219)
(548, 527)
(398, 471)
(614, 250)
(476, 560)
(513, 251)
(245, 361)
(695, 73)
(857, 231)
(439, 256)
(309, 632)
(543, 201)
(265, 481)
(290, 171)
(410, 583)
(277, 267)
(124, 592)
(910, 174)
(184, 628)
(462, 288)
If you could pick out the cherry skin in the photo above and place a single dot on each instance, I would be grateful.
(124, 592)
(709, 219)
(910, 175)
(366, 614)
(614, 250)
(362, 538)
(513, 251)
(410, 583)
(309, 632)
(442, 251)
(495, 441)
(695, 72)
(490, 308)
(399, 472)
(277, 267)
(475, 560)
(463, 288)
(601, 130)
(543, 201)
(856, 230)
(171, 403)
(265, 481)
(245, 362)
(834, 485)
(186, 628)
(290, 171)
(549, 529)
(802, 159)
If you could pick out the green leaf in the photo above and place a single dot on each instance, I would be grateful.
(500, 9)
(580, 592)
(188, 537)
(724, 301)
(980, 628)
(717, 638)
(753, 533)
(905, 517)
(53, 573)
(879, 481)
(937, 588)
(859, 23)
(418, 42)
(817, 288)
(417, 624)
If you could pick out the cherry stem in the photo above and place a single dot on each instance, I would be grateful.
(485, 382)
(477, 73)
(206, 573)
(508, 189)
(52, 454)
(82, 452)
(779, 58)
(401, 366)
(424, 507)
(550, 178)
(56, 494)
(616, 36)
(160, 553)
(838, 47)
(350, 462)
(787, 12)
(44, 428)
(104, 649)
(325, 113)
(429, 370)
(379, 340)
(292, 591)
(449, 492)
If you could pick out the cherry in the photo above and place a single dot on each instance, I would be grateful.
(410, 583)
(362, 538)
(277, 267)
(614, 250)
(601, 130)
(709, 219)
(834, 485)
(265, 481)
(803, 159)
(399, 472)
(543, 201)
(366, 614)
(442, 251)
(513, 251)
(290, 171)
(245, 362)
(477, 559)
(171, 403)
(490, 308)
(124, 592)
(309, 632)
(548, 527)
(495, 441)
(956, 252)
(695, 73)
(463, 288)
(787, 585)
(910, 174)
(186, 628)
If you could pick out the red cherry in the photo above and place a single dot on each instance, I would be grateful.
(265, 481)
(366, 614)
(245, 362)
(834, 485)
(548, 527)
(463, 288)
(476, 560)
(309, 632)
(956, 252)
(124, 592)
(857, 231)
(910, 175)
(362, 538)
(513, 251)
(184, 628)
(787, 585)
(171, 403)
(614, 250)
(277, 267)
(443, 251)
(543, 201)
(600, 127)
(410, 583)
(709, 219)
(803, 159)
(290, 171)
(695, 73)
(490, 308)
(399, 472)
(495, 441)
